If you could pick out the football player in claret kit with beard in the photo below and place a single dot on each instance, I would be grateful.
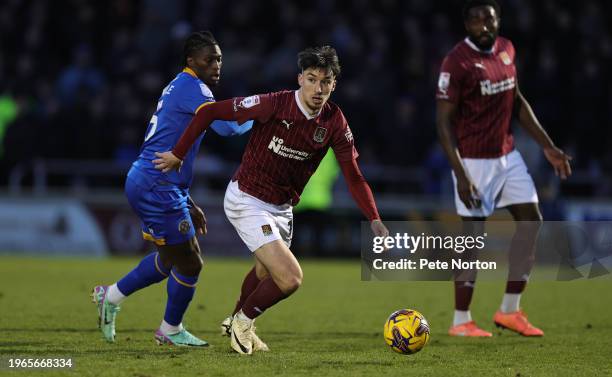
(477, 94)
(292, 132)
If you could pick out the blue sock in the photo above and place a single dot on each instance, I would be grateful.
(180, 292)
(150, 270)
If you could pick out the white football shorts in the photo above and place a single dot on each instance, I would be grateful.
(500, 182)
(256, 221)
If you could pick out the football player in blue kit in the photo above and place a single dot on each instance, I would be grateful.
(169, 216)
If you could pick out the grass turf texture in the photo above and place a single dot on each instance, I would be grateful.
(331, 326)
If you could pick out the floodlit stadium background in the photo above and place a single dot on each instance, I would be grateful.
(79, 81)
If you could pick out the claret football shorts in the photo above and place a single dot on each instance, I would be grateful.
(256, 221)
(500, 182)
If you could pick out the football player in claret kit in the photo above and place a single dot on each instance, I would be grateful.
(169, 216)
(477, 93)
(291, 134)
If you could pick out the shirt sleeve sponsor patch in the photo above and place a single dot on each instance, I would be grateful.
(444, 82)
(249, 102)
(206, 91)
(348, 135)
(505, 58)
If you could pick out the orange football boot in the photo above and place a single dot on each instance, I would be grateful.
(468, 329)
(517, 322)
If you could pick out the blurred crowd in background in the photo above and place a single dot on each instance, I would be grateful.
(80, 79)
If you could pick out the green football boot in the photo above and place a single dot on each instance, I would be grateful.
(182, 338)
(107, 312)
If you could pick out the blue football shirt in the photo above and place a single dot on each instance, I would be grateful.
(179, 102)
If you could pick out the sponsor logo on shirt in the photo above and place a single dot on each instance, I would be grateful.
(487, 88)
(286, 124)
(276, 146)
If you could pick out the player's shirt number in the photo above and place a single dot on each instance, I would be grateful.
(153, 121)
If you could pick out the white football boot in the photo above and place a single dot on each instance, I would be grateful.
(241, 334)
(258, 344)
(226, 326)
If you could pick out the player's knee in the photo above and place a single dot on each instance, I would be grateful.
(291, 283)
(535, 219)
(190, 266)
(165, 260)
(529, 229)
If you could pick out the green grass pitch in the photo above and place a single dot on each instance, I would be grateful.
(331, 326)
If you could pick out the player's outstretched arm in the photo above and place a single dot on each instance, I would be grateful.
(361, 192)
(167, 161)
(528, 120)
(445, 110)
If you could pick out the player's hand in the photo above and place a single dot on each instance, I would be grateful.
(167, 161)
(559, 160)
(468, 193)
(199, 219)
(379, 229)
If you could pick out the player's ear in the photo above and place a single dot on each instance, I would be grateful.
(333, 87)
(300, 78)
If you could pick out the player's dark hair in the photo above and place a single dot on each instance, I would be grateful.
(197, 41)
(319, 57)
(479, 3)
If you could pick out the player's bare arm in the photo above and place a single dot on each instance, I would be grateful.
(445, 110)
(528, 120)
(197, 217)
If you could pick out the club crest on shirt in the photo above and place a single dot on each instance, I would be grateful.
(505, 58)
(184, 227)
(444, 82)
(319, 134)
(266, 229)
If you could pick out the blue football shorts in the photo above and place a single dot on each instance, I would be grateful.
(163, 211)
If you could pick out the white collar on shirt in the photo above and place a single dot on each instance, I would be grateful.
(474, 47)
(308, 115)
